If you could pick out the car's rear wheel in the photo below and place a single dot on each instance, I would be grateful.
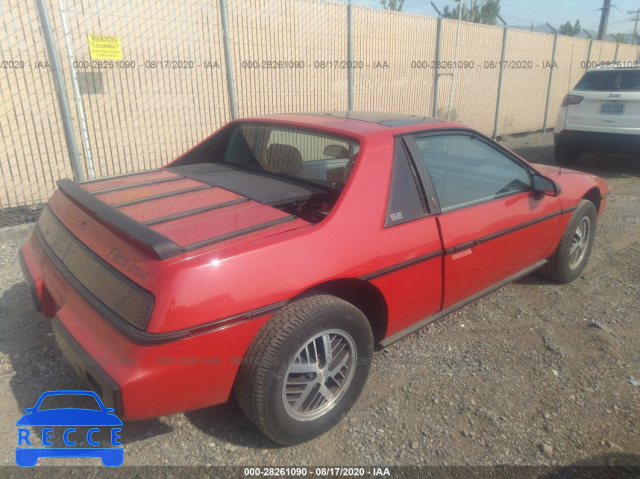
(305, 368)
(564, 155)
(572, 254)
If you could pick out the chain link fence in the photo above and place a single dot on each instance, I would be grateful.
(178, 70)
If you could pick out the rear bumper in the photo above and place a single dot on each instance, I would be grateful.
(598, 141)
(87, 368)
(138, 381)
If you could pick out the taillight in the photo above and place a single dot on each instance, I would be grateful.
(572, 100)
(106, 289)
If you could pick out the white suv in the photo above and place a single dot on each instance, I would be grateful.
(601, 113)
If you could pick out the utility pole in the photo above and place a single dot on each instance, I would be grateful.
(635, 26)
(604, 20)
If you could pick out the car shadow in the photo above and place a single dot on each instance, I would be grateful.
(536, 279)
(26, 339)
(606, 166)
(227, 423)
(604, 466)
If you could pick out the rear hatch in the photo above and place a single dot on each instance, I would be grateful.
(145, 218)
(611, 99)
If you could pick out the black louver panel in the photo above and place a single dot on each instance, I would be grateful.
(258, 187)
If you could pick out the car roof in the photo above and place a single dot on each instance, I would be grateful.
(360, 122)
(615, 66)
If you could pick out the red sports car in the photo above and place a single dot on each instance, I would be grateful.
(273, 257)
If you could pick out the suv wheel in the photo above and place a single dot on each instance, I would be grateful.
(305, 368)
(565, 156)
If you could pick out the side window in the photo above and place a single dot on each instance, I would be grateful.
(405, 200)
(465, 170)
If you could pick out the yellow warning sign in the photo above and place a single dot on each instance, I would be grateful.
(105, 47)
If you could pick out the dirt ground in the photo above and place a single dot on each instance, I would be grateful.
(521, 377)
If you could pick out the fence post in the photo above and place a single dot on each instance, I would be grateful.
(61, 92)
(227, 59)
(615, 57)
(500, 78)
(350, 55)
(586, 66)
(436, 76)
(553, 59)
(77, 96)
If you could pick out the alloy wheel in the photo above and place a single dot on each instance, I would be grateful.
(319, 374)
(580, 242)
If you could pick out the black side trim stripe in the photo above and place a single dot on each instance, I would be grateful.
(196, 211)
(162, 195)
(240, 232)
(135, 185)
(462, 246)
(142, 236)
(124, 175)
(421, 324)
(241, 318)
(404, 264)
(526, 224)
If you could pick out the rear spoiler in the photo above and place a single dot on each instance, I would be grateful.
(145, 238)
(148, 240)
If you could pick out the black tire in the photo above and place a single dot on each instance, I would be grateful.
(562, 266)
(260, 385)
(565, 156)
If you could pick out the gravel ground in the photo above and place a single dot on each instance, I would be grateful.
(521, 377)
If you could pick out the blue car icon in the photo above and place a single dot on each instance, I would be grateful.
(68, 417)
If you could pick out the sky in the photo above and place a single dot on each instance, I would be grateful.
(525, 12)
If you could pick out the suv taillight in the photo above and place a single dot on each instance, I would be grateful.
(572, 100)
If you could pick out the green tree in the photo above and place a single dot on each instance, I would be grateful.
(487, 13)
(395, 5)
(620, 38)
(570, 30)
(467, 15)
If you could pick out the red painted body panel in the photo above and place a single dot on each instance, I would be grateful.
(478, 267)
(153, 380)
(144, 191)
(213, 223)
(117, 182)
(176, 204)
(276, 264)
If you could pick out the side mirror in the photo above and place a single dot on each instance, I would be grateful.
(545, 186)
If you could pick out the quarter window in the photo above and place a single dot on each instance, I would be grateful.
(465, 170)
(405, 198)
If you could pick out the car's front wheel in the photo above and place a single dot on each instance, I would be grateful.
(305, 368)
(571, 255)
